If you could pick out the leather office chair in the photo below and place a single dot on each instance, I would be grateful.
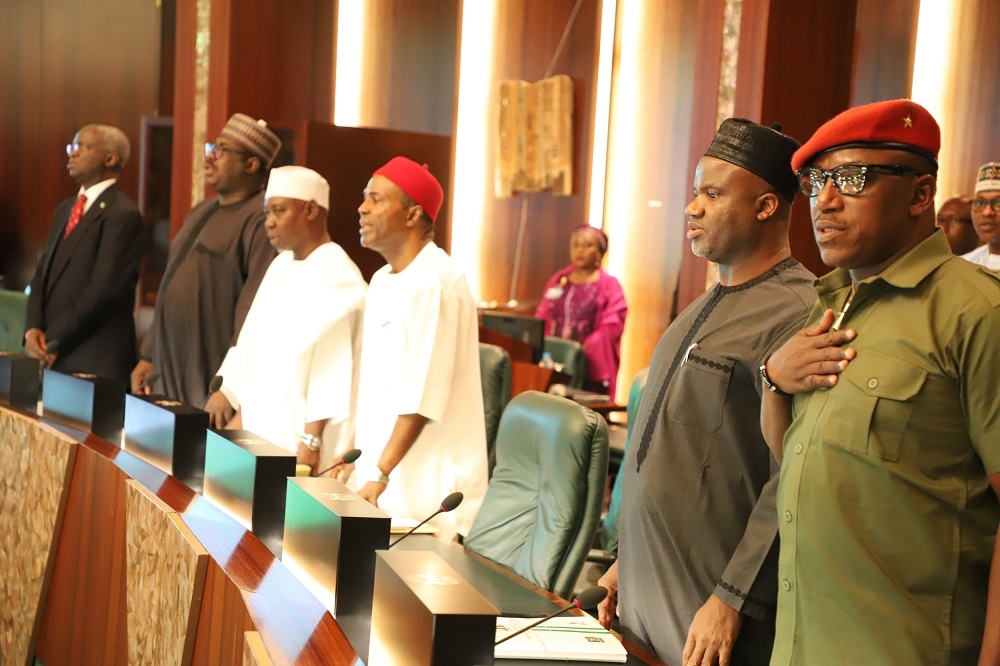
(13, 313)
(544, 502)
(608, 535)
(568, 353)
(495, 369)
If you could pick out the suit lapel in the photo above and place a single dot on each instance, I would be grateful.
(56, 234)
(88, 224)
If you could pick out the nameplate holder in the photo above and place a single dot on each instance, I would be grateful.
(85, 401)
(19, 381)
(331, 536)
(424, 613)
(169, 435)
(245, 476)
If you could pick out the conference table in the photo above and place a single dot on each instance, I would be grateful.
(70, 547)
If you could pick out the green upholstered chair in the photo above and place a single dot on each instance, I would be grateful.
(543, 504)
(568, 353)
(609, 526)
(13, 313)
(495, 369)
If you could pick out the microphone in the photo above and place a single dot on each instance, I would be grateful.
(449, 503)
(52, 347)
(149, 380)
(215, 384)
(347, 459)
(587, 600)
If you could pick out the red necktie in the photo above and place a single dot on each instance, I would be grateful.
(75, 214)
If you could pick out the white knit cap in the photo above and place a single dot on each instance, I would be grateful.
(988, 179)
(295, 182)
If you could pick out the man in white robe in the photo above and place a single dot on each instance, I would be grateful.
(292, 376)
(420, 403)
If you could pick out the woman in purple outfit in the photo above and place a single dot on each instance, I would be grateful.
(583, 303)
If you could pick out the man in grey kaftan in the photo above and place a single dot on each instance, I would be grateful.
(698, 550)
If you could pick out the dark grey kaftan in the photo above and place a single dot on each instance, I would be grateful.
(698, 504)
(200, 311)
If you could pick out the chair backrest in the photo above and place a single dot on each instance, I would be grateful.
(544, 502)
(609, 526)
(568, 353)
(13, 314)
(495, 370)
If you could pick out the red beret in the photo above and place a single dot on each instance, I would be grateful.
(899, 124)
(417, 181)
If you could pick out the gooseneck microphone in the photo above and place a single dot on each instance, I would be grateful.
(587, 600)
(449, 503)
(215, 384)
(347, 459)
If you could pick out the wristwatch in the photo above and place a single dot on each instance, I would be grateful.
(766, 381)
(312, 442)
(380, 478)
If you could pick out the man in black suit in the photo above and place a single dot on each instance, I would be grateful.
(83, 292)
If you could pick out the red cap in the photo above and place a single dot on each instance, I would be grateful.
(417, 181)
(900, 124)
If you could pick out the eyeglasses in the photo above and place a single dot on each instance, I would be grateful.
(953, 220)
(980, 204)
(77, 147)
(849, 179)
(215, 152)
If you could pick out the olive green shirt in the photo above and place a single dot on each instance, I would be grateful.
(886, 516)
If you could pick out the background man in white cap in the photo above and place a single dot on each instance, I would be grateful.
(986, 217)
(294, 367)
(420, 402)
(215, 264)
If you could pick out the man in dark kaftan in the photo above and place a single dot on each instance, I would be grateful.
(698, 550)
(215, 264)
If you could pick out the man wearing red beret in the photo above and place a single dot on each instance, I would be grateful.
(420, 415)
(888, 500)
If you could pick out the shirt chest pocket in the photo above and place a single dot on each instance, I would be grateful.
(209, 251)
(698, 395)
(872, 405)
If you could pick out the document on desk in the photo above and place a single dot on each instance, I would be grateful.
(401, 525)
(572, 638)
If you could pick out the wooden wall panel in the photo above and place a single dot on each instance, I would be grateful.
(784, 85)
(970, 133)
(408, 65)
(527, 34)
(63, 64)
(23, 215)
(885, 39)
(707, 61)
(673, 53)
